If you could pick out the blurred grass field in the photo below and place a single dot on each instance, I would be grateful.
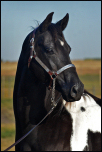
(89, 72)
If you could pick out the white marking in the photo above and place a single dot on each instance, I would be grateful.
(64, 102)
(82, 121)
(61, 42)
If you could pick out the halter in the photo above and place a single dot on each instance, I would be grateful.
(53, 75)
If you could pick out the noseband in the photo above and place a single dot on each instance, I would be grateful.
(53, 75)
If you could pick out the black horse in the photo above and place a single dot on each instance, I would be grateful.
(32, 96)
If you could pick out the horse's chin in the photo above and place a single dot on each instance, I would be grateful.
(70, 99)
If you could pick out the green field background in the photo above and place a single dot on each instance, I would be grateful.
(92, 83)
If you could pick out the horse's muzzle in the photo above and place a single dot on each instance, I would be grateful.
(71, 93)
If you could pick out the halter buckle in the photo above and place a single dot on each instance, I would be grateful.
(32, 40)
(53, 103)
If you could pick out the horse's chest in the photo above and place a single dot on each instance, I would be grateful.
(55, 135)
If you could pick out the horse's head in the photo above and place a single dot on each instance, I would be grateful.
(53, 50)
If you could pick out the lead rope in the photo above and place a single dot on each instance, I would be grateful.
(29, 131)
(53, 103)
(14, 144)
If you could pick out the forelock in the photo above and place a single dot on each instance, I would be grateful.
(55, 31)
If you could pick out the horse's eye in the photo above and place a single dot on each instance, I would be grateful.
(49, 49)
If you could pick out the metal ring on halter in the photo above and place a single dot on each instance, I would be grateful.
(53, 76)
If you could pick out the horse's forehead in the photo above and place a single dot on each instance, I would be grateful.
(47, 37)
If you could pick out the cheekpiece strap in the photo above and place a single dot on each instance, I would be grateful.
(31, 48)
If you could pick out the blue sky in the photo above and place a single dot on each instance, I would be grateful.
(83, 32)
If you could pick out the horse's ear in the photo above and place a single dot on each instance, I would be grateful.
(44, 25)
(63, 23)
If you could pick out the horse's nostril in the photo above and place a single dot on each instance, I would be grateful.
(74, 91)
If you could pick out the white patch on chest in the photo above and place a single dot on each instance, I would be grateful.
(83, 120)
(61, 42)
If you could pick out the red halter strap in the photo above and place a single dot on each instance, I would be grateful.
(32, 48)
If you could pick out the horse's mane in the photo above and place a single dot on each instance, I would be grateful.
(98, 100)
(37, 23)
(21, 61)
